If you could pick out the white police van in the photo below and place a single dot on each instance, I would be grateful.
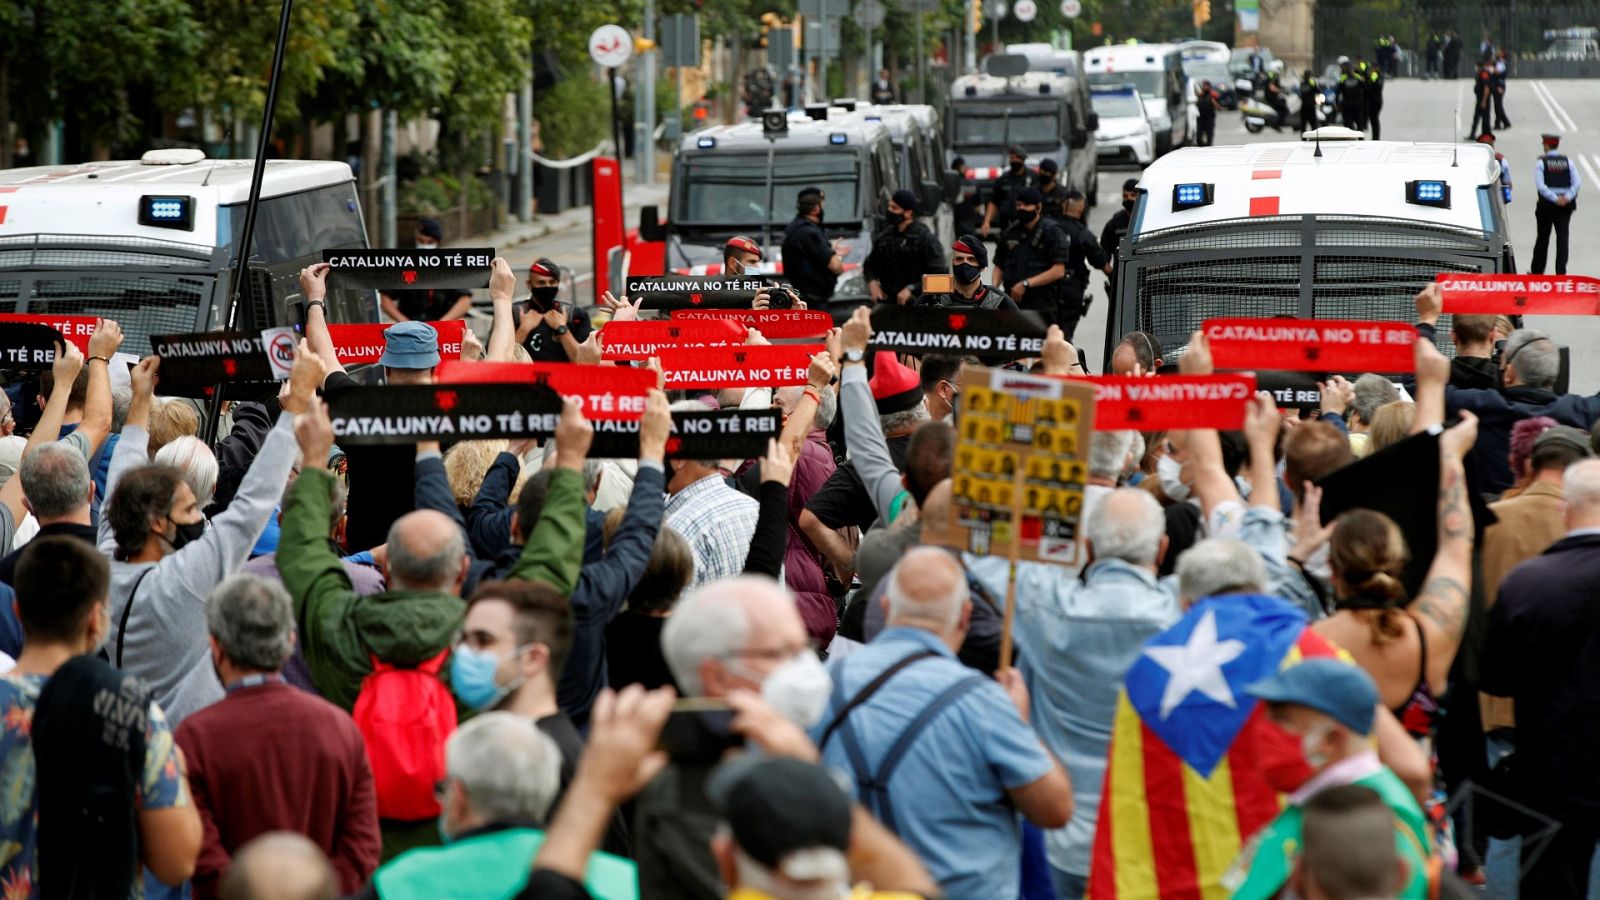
(1345, 229)
(151, 242)
(1157, 71)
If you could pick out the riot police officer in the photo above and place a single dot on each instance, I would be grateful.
(1083, 251)
(903, 251)
(1310, 100)
(1053, 191)
(1111, 236)
(1372, 86)
(1556, 179)
(1032, 257)
(1352, 96)
(810, 262)
(1002, 199)
(968, 257)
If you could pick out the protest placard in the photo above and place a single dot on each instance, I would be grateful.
(77, 329)
(358, 345)
(989, 334)
(615, 393)
(1312, 345)
(193, 365)
(776, 324)
(712, 368)
(405, 414)
(401, 269)
(1170, 402)
(28, 345)
(1511, 295)
(704, 435)
(694, 291)
(640, 340)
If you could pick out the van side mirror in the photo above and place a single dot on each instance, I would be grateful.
(952, 185)
(929, 197)
(650, 225)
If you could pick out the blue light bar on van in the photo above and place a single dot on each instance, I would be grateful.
(874, 118)
(1428, 193)
(167, 212)
(706, 143)
(1192, 196)
(837, 138)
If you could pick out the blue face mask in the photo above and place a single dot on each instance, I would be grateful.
(472, 677)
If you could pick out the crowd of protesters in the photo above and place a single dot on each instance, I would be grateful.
(275, 667)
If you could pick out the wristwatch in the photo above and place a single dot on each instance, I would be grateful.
(855, 356)
(560, 330)
(1026, 283)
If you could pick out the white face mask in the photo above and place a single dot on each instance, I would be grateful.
(799, 689)
(1169, 471)
(427, 245)
(1309, 740)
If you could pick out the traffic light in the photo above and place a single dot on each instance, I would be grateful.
(977, 16)
(643, 45)
(1202, 12)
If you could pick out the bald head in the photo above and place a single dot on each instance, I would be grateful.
(279, 865)
(426, 553)
(1127, 524)
(730, 633)
(927, 589)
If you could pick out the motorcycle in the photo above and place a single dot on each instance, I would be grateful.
(1258, 115)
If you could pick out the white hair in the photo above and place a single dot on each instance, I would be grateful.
(945, 607)
(709, 622)
(507, 766)
(190, 455)
(1220, 566)
(832, 881)
(1580, 485)
(1535, 355)
(897, 421)
(1129, 533)
(1108, 453)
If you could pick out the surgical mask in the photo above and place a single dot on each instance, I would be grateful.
(472, 677)
(733, 267)
(544, 297)
(799, 689)
(184, 533)
(427, 245)
(1170, 473)
(967, 273)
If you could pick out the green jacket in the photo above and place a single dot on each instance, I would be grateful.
(492, 865)
(1269, 857)
(340, 633)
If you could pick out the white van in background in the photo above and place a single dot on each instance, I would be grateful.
(1157, 71)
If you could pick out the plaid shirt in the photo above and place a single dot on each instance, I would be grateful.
(718, 522)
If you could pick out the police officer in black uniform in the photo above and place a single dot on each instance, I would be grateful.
(1053, 191)
(810, 262)
(1310, 100)
(1032, 258)
(1557, 183)
(1003, 198)
(1352, 96)
(1372, 83)
(902, 252)
(1084, 251)
(968, 257)
(547, 328)
(1111, 235)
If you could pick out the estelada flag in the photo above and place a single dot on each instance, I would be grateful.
(1185, 786)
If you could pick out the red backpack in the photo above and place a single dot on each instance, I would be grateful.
(405, 715)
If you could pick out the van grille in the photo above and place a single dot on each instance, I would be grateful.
(141, 305)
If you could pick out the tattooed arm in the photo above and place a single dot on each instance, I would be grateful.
(1441, 607)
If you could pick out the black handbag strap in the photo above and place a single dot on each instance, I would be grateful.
(127, 608)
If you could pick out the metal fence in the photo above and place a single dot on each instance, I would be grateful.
(1536, 37)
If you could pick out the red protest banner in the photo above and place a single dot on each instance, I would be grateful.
(358, 345)
(77, 329)
(1311, 345)
(638, 340)
(777, 324)
(763, 365)
(1510, 295)
(1170, 402)
(612, 393)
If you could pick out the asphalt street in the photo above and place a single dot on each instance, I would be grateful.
(1414, 110)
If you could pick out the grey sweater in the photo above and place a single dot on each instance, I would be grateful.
(166, 642)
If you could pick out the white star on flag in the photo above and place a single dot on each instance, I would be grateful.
(1197, 665)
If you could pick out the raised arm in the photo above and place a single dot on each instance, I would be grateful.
(1441, 606)
(553, 551)
(1212, 485)
(503, 333)
(819, 378)
(1433, 375)
(863, 436)
(489, 516)
(96, 422)
(770, 540)
(614, 577)
(314, 287)
(65, 369)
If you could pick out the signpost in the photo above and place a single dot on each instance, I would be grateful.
(610, 46)
(1071, 9)
(1025, 10)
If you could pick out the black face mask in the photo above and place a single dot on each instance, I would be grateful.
(543, 298)
(1128, 205)
(1030, 216)
(184, 533)
(1017, 167)
(967, 273)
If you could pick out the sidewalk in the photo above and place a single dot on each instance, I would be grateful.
(514, 233)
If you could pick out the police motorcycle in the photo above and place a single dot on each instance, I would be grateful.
(1259, 115)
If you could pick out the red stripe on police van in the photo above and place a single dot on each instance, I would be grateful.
(1263, 206)
(2, 215)
(1265, 174)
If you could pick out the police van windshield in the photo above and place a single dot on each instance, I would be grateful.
(988, 127)
(728, 191)
(1151, 84)
(1118, 106)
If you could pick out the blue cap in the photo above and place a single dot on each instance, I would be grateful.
(410, 345)
(1339, 689)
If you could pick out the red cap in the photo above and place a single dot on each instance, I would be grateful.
(545, 267)
(741, 244)
(894, 385)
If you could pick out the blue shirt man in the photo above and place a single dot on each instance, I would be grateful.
(938, 752)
